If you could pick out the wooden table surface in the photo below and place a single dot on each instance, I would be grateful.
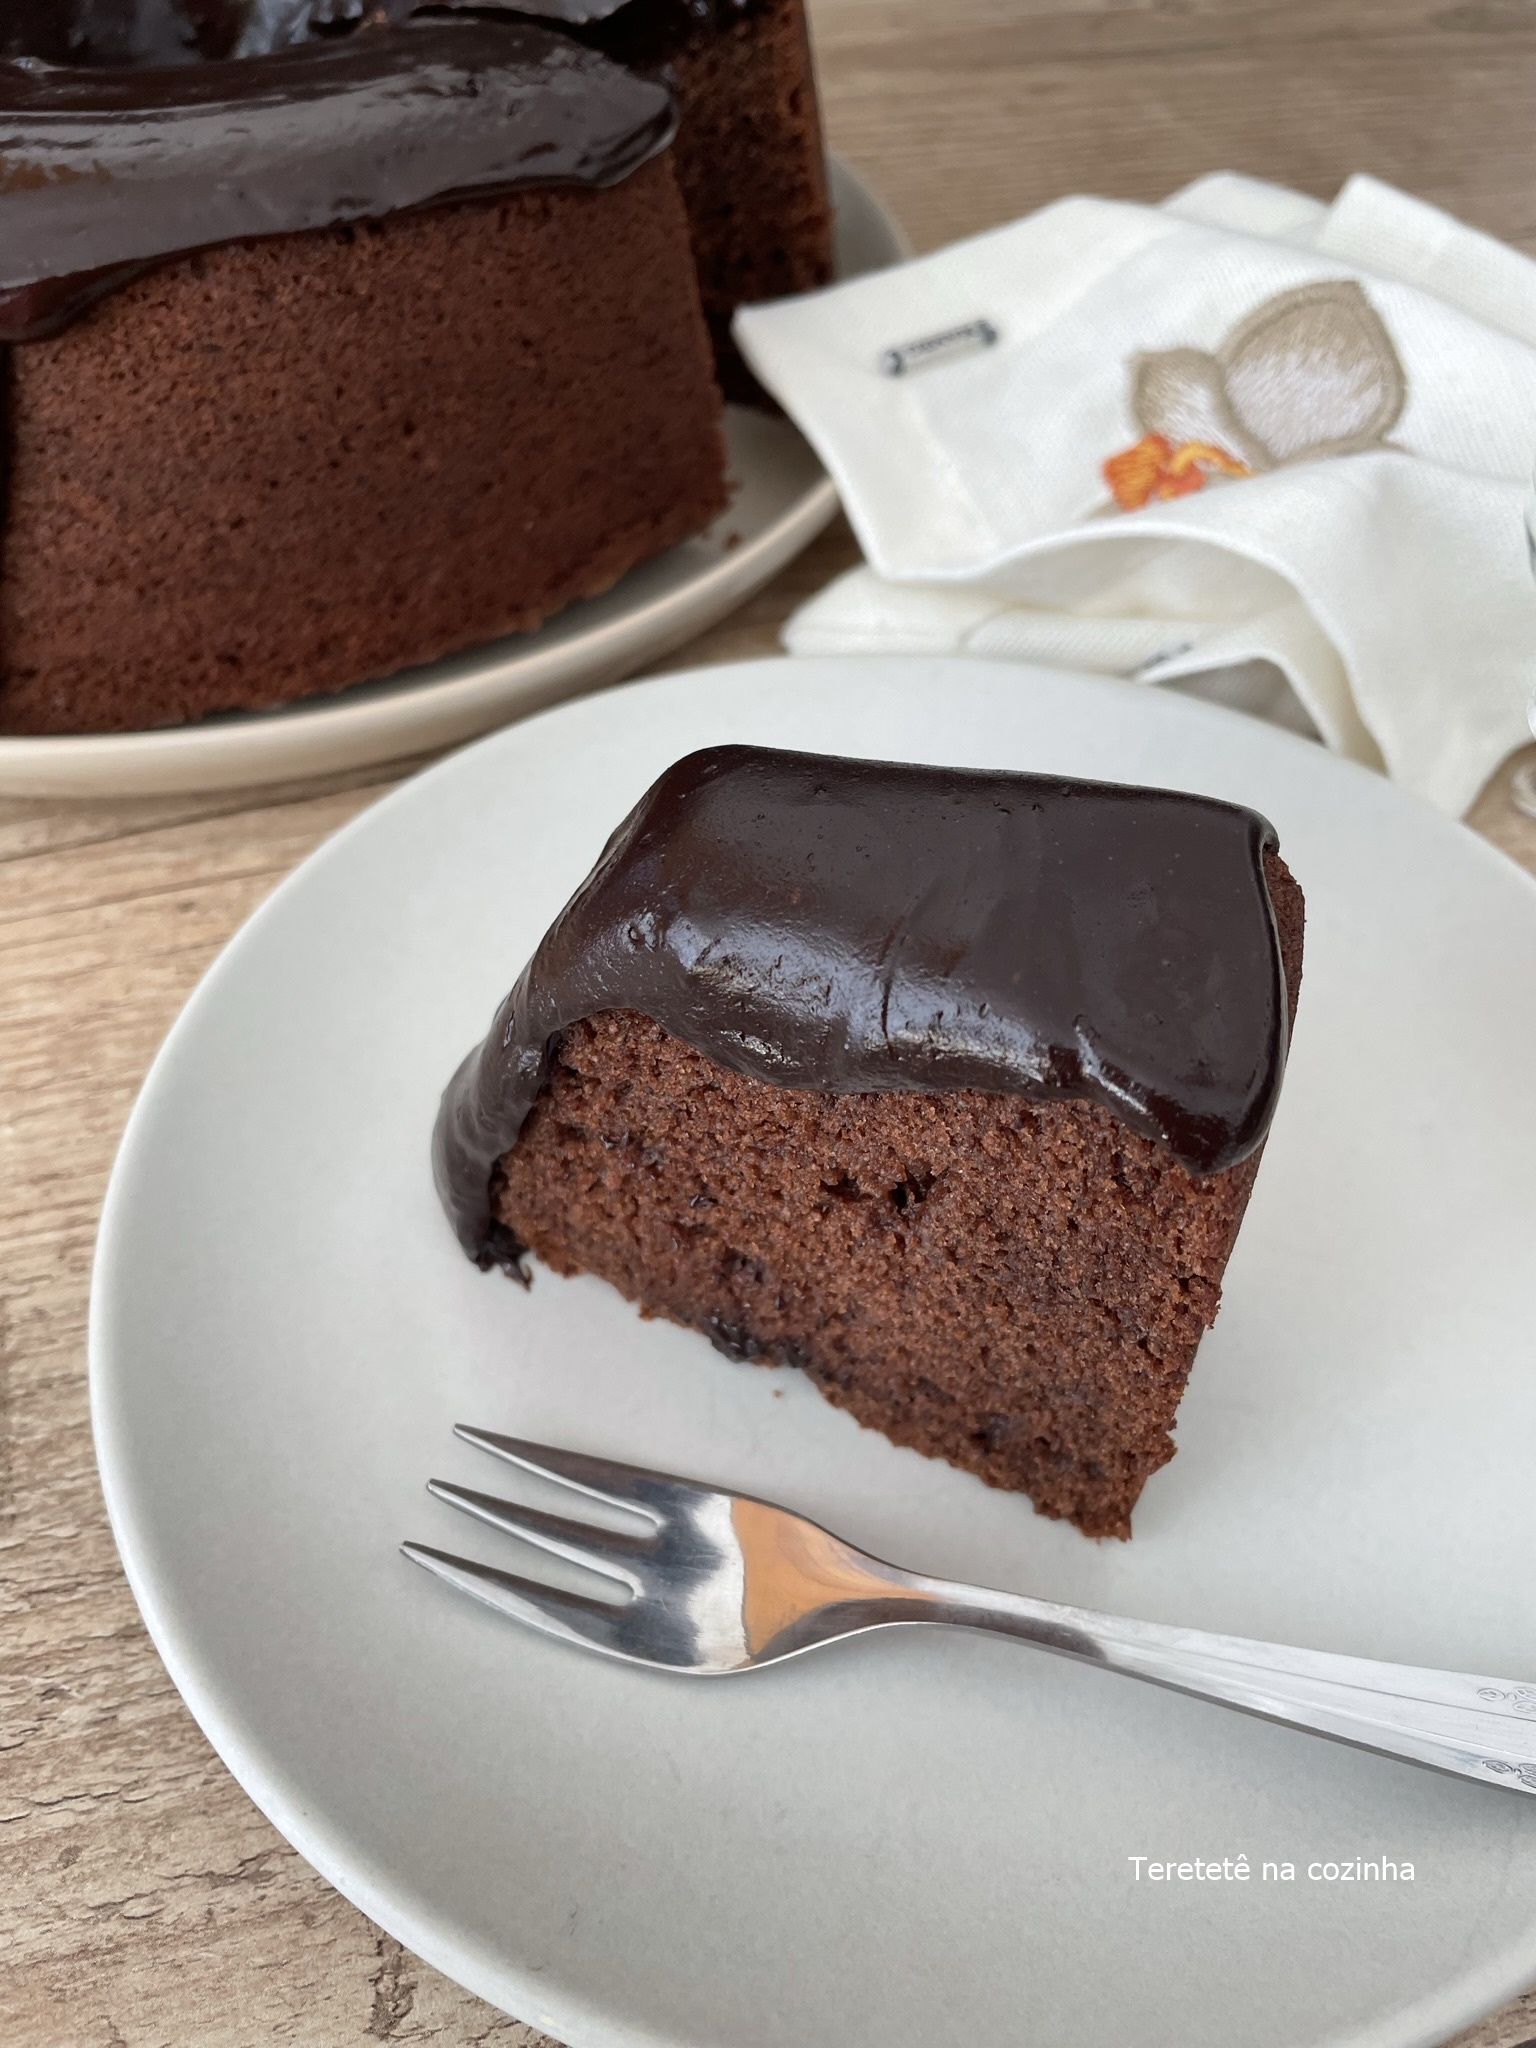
(143, 1900)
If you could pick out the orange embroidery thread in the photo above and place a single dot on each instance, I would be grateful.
(1154, 468)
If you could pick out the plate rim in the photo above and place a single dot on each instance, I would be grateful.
(400, 1911)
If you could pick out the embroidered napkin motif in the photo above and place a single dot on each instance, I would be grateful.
(1331, 416)
(1313, 372)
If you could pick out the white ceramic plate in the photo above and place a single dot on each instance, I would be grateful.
(912, 1841)
(782, 500)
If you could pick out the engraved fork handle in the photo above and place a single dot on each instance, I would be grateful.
(1481, 1728)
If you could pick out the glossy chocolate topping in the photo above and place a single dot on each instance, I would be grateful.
(107, 168)
(656, 31)
(158, 32)
(850, 926)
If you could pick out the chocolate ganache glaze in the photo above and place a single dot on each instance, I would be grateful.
(156, 32)
(195, 122)
(851, 925)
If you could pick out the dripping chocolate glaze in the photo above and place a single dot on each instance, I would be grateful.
(135, 131)
(157, 32)
(851, 926)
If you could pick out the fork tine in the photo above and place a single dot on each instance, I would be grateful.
(595, 1550)
(604, 1479)
(596, 1624)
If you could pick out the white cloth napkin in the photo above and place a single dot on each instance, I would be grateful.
(1320, 425)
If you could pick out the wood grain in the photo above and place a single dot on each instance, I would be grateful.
(144, 1901)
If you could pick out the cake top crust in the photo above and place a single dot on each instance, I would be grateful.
(855, 926)
(133, 158)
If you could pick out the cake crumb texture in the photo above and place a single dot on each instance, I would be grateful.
(1016, 1286)
(281, 467)
(752, 169)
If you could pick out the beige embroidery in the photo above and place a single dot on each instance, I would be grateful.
(1312, 372)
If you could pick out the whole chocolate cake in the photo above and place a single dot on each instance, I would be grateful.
(948, 1087)
(343, 335)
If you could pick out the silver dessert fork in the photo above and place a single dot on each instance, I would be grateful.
(713, 1582)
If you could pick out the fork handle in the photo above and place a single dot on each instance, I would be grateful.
(1482, 1728)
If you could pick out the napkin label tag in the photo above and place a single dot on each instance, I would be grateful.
(930, 349)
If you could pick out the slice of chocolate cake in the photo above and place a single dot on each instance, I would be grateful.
(948, 1087)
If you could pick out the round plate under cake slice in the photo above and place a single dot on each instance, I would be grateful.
(912, 1839)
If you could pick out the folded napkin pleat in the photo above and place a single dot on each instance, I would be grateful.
(1395, 235)
(1244, 436)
